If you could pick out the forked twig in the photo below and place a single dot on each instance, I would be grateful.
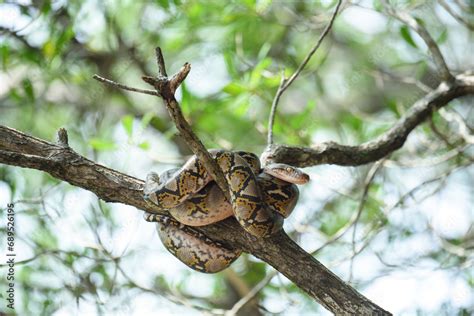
(165, 88)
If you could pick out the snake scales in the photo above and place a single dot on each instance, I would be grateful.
(260, 200)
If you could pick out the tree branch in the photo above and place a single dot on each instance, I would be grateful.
(456, 16)
(285, 83)
(411, 22)
(19, 149)
(391, 140)
(124, 87)
(165, 88)
(279, 251)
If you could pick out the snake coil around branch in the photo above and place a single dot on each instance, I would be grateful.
(260, 200)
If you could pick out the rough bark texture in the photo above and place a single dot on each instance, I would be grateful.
(279, 251)
(19, 149)
(393, 139)
(301, 268)
(166, 88)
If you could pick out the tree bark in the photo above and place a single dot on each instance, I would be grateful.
(393, 139)
(59, 160)
(19, 149)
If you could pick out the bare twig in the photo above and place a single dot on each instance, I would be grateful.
(464, 130)
(411, 22)
(285, 83)
(439, 134)
(355, 218)
(456, 16)
(422, 185)
(430, 161)
(464, 6)
(14, 34)
(63, 138)
(160, 61)
(124, 87)
(250, 295)
(368, 181)
(409, 80)
(276, 99)
(166, 88)
(240, 286)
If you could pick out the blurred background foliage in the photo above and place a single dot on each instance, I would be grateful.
(411, 248)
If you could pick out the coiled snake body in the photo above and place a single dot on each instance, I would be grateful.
(260, 199)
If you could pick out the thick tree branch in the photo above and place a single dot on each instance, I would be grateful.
(19, 149)
(165, 88)
(303, 269)
(393, 139)
(279, 251)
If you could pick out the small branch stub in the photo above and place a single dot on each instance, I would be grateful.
(63, 138)
(167, 87)
(160, 61)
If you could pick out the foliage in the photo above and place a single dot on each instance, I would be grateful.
(98, 258)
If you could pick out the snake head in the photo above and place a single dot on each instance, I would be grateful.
(286, 173)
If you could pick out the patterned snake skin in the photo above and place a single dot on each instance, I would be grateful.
(259, 203)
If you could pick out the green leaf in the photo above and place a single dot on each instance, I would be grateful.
(49, 49)
(46, 7)
(101, 144)
(45, 239)
(164, 4)
(405, 33)
(442, 37)
(234, 88)
(4, 55)
(392, 105)
(257, 72)
(255, 272)
(311, 105)
(264, 50)
(127, 123)
(144, 145)
(15, 96)
(65, 37)
(186, 100)
(28, 88)
(377, 5)
(420, 21)
(230, 65)
(146, 119)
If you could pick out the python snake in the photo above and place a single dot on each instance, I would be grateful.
(260, 199)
